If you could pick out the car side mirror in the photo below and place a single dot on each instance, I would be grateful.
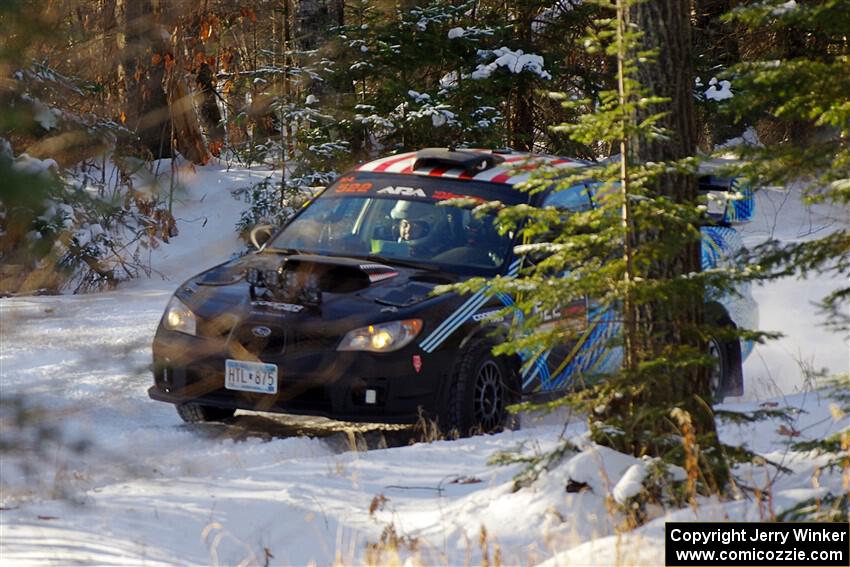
(260, 234)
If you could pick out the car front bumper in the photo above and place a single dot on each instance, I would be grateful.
(310, 382)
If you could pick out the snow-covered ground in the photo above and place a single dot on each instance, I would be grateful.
(787, 305)
(122, 481)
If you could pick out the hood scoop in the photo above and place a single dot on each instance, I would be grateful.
(378, 272)
(304, 278)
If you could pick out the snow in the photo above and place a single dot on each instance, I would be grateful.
(630, 484)
(718, 90)
(784, 8)
(123, 481)
(439, 113)
(748, 137)
(645, 545)
(786, 305)
(455, 33)
(449, 80)
(6, 149)
(419, 97)
(514, 61)
(47, 117)
(439, 119)
(29, 164)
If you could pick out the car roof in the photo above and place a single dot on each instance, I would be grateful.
(510, 168)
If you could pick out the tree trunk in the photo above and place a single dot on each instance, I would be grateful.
(210, 113)
(186, 127)
(230, 61)
(160, 117)
(187, 131)
(311, 23)
(522, 125)
(147, 110)
(715, 42)
(202, 29)
(666, 28)
(522, 117)
(671, 324)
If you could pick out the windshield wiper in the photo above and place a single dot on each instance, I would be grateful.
(401, 262)
(287, 251)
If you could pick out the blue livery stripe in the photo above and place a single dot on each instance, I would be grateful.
(455, 319)
(437, 339)
(459, 317)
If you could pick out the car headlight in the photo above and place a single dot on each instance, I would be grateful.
(384, 337)
(179, 318)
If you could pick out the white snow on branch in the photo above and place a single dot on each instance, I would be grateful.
(455, 33)
(547, 247)
(718, 90)
(440, 117)
(449, 80)
(439, 113)
(514, 61)
(29, 164)
(46, 116)
(631, 483)
(419, 97)
(748, 137)
(375, 120)
(360, 65)
(785, 8)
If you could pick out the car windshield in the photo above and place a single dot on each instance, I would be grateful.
(391, 228)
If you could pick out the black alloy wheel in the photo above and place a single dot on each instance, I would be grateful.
(476, 397)
(488, 399)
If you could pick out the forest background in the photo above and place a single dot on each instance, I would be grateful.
(103, 87)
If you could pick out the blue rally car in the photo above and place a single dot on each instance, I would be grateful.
(334, 315)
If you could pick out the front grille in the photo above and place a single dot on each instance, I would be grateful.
(306, 342)
(256, 344)
(284, 341)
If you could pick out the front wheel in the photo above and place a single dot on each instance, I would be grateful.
(196, 413)
(476, 400)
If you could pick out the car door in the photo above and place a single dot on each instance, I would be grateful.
(588, 353)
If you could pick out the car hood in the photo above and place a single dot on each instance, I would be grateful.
(354, 291)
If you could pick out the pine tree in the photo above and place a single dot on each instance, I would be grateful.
(635, 256)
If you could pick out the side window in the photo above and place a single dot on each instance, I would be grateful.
(574, 199)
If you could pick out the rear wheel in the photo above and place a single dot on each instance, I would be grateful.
(717, 372)
(196, 413)
(726, 376)
(476, 400)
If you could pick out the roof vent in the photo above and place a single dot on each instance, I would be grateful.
(470, 162)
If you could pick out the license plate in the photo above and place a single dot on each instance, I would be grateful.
(246, 376)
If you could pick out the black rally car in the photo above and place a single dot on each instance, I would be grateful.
(334, 315)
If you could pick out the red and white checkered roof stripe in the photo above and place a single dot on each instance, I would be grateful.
(516, 168)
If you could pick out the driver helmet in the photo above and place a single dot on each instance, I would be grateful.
(414, 220)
